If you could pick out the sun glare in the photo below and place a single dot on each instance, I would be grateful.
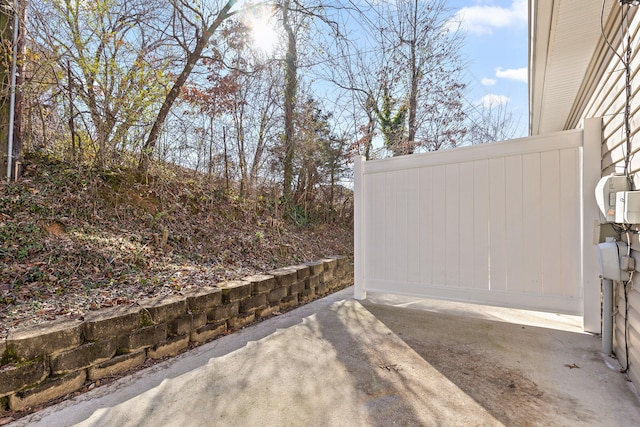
(263, 33)
(264, 37)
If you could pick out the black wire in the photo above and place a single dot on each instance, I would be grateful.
(627, 68)
(604, 36)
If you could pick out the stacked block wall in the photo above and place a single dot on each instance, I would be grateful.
(50, 360)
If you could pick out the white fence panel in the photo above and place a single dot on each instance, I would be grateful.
(496, 224)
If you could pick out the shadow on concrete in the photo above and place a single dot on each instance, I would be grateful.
(339, 362)
(522, 374)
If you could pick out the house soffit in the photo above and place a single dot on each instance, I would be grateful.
(563, 36)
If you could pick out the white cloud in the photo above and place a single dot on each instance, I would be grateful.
(483, 19)
(488, 82)
(518, 74)
(492, 100)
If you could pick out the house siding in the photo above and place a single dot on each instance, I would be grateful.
(603, 95)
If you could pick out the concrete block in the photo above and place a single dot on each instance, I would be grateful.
(242, 320)
(165, 308)
(208, 332)
(277, 294)
(267, 311)
(252, 303)
(29, 373)
(322, 288)
(306, 296)
(45, 338)
(296, 287)
(302, 270)
(260, 283)
(84, 356)
(51, 389)
(315, 267)
(234, 290)
(314, 281)
(180, 326)
(202, 299)
(199, 320)
(111, 322)
(144, 337)
(326, 276)
(117, 365)
(171, 347)
(289, 302)
(284, 276)
(223, 312)
(349, 271)
(330, 264)
(341, 260)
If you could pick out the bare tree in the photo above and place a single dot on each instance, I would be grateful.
(428, 51)
(114, 71)
(404, 72)
(193, 26)
(494, 122)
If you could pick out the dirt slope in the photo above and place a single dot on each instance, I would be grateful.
(76, 240)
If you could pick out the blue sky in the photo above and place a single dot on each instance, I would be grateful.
(495, 51)
(497, 48)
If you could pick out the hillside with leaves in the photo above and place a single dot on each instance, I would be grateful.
(74, 239)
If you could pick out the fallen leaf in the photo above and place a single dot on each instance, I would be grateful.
(572, 366)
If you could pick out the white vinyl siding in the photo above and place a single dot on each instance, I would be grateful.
(605, 88)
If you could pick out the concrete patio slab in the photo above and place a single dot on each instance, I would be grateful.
(385, 361)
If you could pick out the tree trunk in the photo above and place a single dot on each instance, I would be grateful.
(413, 95)
(7, 24)
(226, 157)
(240, 144)
(291, 85)
(174, 92)
(6, 36)
(211, 142)
(257, 157)
(18, 134)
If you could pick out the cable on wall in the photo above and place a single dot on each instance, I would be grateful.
(625, 36)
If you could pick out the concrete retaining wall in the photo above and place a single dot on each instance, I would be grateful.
(50, 360)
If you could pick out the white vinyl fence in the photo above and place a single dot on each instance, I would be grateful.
(505, 224)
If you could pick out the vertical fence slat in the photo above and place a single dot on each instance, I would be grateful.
(551, 230)
(414, 227)
(374, 237)
(569, 210)
(481, 224)
(427, 242)
(358, 225)
(451, 241)
(389, 226)
(466, 223)
(402, 218)
(531, 280)
(439, 235)
(514, 225)
(497, 219)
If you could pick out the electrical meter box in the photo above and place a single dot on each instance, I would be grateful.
(609, 258)
(627, 207)
(606, 192)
